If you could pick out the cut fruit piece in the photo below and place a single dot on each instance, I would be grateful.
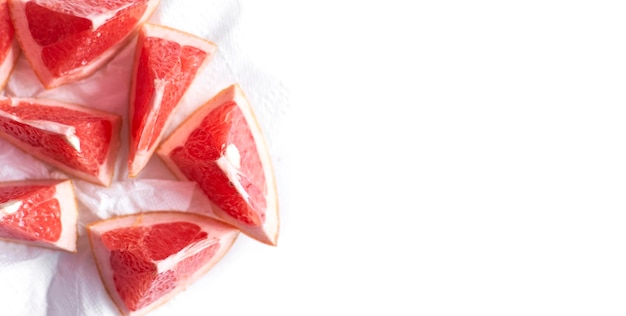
(146, 259)
(79, 141)
(9, 49)
(39, 213)
(166, 63)
(65, 41)
(221, 148)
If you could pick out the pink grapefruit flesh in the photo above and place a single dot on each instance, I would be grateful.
(39, 212)
(9, 49)
(221, 148)
(146, 259)
(79, 141)
(66, 41)
(166, 63)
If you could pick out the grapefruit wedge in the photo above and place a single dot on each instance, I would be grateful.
(65, 41)
(166, 63)
(39, 213)
(145, 259)
(9, 49)
(221, 148)
(79, 141)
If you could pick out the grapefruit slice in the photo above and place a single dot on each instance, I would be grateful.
(9, 49)
(65, 41)
(39, 213)
(146, 259)
(221, 148)
(166, 63)
(79, 141)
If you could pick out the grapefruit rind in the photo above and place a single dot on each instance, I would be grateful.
(140, 158)
(226, 234)
(32, 50)
(105, 175)
(69, 214)
(268, 232)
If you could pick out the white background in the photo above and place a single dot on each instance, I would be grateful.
(445, 158)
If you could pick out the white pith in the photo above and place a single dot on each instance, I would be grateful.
(268, 232)
(232, 173)
(217, 232)
(141, 158)
(9, 207)
(69, 216)
(233, 156)
(170, 262)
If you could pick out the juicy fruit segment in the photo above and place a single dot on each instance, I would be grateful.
(79, 141)
(221, 148)
(145, 259)
(9, 49)
(166, 63)
(39, 212)
(46, 213)
(65, 41)
(140, 283)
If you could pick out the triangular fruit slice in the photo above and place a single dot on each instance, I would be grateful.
(9, 49)
(146, 259)
(221, 148)
(66, 41)
(79, 141)
(39, 213)
(166, 63)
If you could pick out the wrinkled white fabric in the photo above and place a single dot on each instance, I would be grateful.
(36, 281)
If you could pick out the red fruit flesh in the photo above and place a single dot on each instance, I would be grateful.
(135, 252)
(198, 157)
(166, 63)
(94, 132)
(39, 213)
(222, 149)
(173, 67)
(146, 259)
(69, 42)
(38, 217)
(7, 32)
(9, 49)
